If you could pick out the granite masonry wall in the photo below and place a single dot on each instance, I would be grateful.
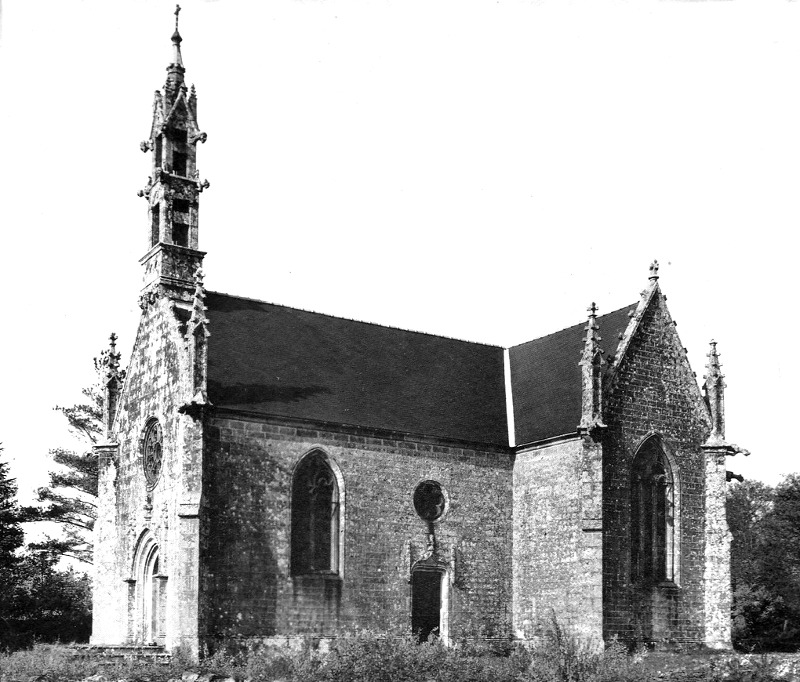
(248, 590)
(654, 392)
(130, 515)
(557, 550)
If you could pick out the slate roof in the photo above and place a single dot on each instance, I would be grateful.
(546, 378)
(274, 360)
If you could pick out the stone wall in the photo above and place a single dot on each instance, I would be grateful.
(246, 582)
(717, 576)
(655, 392)
(557, 544)
(129, 512)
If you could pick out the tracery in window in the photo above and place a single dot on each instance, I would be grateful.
(429, 500)
(152, 452)
(652, 515)
(315, 517)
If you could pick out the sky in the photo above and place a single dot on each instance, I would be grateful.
(481, 170)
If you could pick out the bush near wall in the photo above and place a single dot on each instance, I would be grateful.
(367, 657)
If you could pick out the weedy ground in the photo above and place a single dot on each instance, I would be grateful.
(370, 657)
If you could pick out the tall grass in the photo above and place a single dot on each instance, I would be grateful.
(378, 657)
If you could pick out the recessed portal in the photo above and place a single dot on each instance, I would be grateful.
(426, 604)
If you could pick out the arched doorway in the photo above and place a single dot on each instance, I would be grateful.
(149, 607)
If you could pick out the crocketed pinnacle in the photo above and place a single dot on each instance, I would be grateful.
(109, 359)
(592, 379)
(715, 395)
(198, 318)
(593, 339)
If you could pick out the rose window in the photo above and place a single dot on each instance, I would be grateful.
(429, 500)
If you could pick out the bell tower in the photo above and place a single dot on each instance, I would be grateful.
(173, 190)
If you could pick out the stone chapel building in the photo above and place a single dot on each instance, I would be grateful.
(274, 472)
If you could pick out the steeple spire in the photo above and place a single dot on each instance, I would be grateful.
(176, 40)
(175, 69)
(174, 186)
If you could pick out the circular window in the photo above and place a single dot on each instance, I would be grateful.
(429, 500)
(152, 452)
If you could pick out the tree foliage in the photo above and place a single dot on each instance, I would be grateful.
(11, 534)
(70, 498)
(37, 601)
(765, 562)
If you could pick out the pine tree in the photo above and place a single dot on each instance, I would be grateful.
(11, 539)
(71, 497)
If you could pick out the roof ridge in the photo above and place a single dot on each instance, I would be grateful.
(352, 319)
(578, 324)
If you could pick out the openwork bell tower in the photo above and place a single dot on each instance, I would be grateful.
(174, 188)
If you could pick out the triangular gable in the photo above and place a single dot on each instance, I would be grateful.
(652, 300)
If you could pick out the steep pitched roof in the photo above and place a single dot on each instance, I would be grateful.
(546, 378)
(274, 360)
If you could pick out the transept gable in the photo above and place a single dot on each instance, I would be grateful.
(650, 353)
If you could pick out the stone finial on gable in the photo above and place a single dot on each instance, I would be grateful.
(591, 377)
(653, 271)
(112, 378)
(714, 390)
(196, 335)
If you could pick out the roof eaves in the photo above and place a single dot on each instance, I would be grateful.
(398, 434)
(544, 442)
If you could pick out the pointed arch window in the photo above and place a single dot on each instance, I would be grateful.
(315, 517)
(652, 515)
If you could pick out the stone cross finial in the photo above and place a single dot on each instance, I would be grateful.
(714, 389)
(109, 359)
(176, 67)
(654, 271)
(591, 376)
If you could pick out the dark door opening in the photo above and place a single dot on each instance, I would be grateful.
(426, 603)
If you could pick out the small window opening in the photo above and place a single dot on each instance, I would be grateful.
(179, 163)
(180, 205)
(652, 516)
(180, 234)
(315, 517)
(158, 151)
(155, 221)
(179, 136)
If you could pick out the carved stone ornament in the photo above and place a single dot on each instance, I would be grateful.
(148, 298)
(152, 452)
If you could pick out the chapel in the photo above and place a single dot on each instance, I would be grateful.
(274, 473)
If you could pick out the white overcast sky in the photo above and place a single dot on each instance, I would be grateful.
(483, 170)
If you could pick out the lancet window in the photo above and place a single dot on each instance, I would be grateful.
(315, 517)
(652, 515)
